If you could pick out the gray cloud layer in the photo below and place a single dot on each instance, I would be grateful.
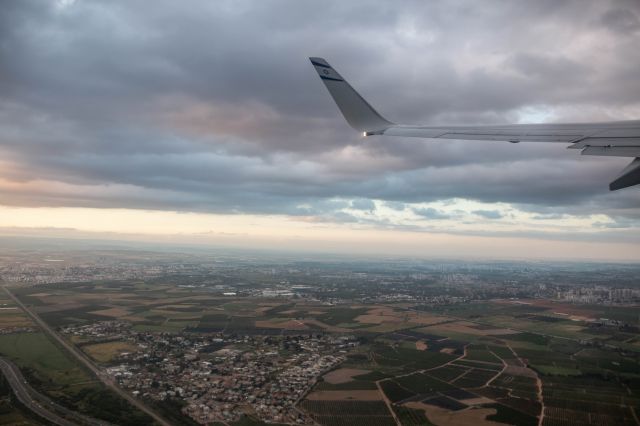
(212, 106)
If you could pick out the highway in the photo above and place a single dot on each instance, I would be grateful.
(24, 394)
(41, 404)
(84, 359)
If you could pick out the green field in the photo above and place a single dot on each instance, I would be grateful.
(49, 364)
(336, 316)
(481, 353)
(54, 373)
(576, 365)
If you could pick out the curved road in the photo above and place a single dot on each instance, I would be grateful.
(40, 403)
(80, 356)
(22, 392)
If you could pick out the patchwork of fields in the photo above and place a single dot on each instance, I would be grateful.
(479, 363)
(473, 368)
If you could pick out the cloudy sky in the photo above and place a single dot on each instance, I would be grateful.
(204, 121)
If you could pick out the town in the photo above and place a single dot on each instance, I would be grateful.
(218, 377)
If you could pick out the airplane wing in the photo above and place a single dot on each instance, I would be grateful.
(619, 139)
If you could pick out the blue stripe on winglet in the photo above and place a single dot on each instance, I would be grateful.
(330, 78)
(320, 65)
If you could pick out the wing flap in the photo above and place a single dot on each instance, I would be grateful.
(584, 143)
(612, 151)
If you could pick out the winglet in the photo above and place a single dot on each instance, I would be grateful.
(358, 113)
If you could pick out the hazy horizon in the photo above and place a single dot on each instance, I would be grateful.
(70, 240)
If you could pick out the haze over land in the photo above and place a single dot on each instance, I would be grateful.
(206, 124)
(238, 337)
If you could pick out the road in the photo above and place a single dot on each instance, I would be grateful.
(388, 403)
(22, 392)
(80, 356)
(37, 402)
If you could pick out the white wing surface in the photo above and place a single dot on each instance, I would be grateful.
(620, 138)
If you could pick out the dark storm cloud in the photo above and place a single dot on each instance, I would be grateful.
(214, 107)
(621, 20)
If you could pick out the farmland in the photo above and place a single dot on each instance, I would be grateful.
(11, 317)
(47, 363)
(340, 412)
(493, 361)
(107, 352)
(478, 369)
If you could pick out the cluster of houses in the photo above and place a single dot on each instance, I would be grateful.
(217, 377)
